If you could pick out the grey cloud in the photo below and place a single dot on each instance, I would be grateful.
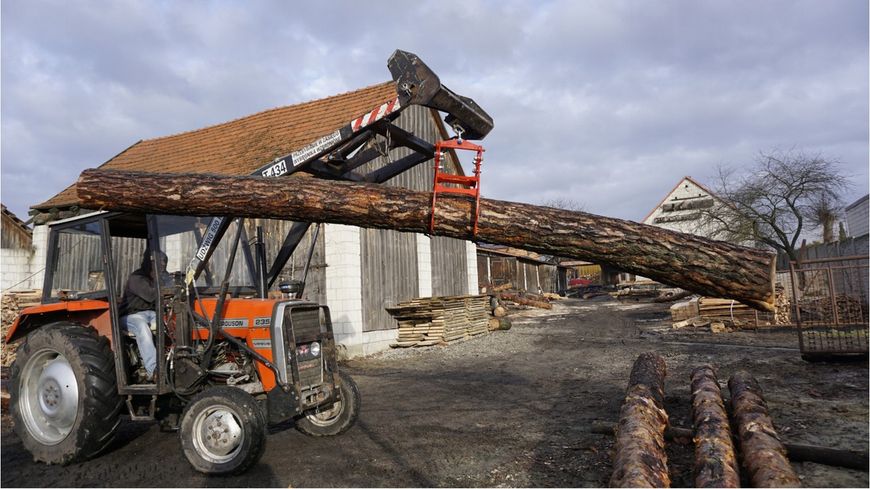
(607, 103)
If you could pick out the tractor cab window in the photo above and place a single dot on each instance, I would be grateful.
(77, 265)
(181, 237)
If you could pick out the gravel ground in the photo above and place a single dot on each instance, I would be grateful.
(508, 409)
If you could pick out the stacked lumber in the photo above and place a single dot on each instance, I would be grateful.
(722, 310)
(428, 321)
(682, 311)
(12, 304)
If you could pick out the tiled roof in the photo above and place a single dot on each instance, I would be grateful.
(241, 146)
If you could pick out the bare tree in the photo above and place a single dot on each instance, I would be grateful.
(781, 195)
(565, 203)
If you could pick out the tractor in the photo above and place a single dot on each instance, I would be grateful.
(228, 364)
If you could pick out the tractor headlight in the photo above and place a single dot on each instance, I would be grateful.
(315, 349)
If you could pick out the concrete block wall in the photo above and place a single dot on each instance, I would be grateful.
(471, 261)
(424, 265)
(15, 269)
(24, 269)
(344, 286)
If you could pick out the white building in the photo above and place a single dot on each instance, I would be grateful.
(858, 217)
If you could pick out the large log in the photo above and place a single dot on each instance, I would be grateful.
(715, 458)
(640, 459)
(761, 451)
(694, 263)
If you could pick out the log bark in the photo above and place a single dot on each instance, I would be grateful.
(715, 458)
(640, 459)
(762, 454)
(694, 263)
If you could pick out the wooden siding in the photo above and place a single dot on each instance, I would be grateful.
(389, 258)
(449, 267)
(14, 235)
(389, 274)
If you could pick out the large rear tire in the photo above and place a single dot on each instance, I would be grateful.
(223, 431)
(64, 394)
(335, 419)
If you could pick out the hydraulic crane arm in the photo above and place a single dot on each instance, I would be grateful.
(337, 154)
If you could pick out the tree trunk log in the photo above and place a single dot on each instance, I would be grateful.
(763, 456)
(708, 267)
(715, 459)
(640, 459)
(525, 301)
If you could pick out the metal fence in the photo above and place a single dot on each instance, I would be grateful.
(828, 304)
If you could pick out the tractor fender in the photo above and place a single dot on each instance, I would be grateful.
(86, 311)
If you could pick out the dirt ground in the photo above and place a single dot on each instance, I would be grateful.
(512, 408)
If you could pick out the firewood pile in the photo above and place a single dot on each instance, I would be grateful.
(850, 309)
(640, 458)
(428, 321)
(12, 304)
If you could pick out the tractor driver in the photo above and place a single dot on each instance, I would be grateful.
(137, 310)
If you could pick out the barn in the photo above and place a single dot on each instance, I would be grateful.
(357, 272)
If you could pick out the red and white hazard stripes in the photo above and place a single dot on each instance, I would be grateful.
(375, 115)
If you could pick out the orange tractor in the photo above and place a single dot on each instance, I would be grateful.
(229, 359)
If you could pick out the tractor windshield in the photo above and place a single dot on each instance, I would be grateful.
(180, 238)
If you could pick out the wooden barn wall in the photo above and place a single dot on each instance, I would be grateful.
(389, 274)
(389, 258)
(449, 267)
(13, 236)
(273, 234)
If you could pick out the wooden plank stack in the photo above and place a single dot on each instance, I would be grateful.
(428, 321)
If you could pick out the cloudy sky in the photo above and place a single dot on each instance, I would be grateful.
(607, 103)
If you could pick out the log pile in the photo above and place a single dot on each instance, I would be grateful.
(12, 304)
(526, 299)
(715, 458)
(761, 452)
(640, 459)
(428, 321)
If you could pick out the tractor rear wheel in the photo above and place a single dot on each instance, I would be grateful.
(223, 431)
(64, 394)
(335, 419)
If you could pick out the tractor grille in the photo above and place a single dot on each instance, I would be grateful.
(305, 328)
(305, 323)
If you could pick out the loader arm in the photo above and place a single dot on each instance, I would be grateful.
(337, 154)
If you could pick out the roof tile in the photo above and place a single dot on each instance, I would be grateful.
(240, 146)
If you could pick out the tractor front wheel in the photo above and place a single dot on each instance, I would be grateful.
(223, 431)
(64, 395)
(337, 418)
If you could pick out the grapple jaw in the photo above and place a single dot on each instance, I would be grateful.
(416, 83)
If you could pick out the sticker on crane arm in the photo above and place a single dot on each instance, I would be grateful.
(313, 149)
(208, 238)
(261, 344)
(276, 170)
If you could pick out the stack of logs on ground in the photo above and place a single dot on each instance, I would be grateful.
(640, 459)
(12, 303)
(428, 321)
(507, 294)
